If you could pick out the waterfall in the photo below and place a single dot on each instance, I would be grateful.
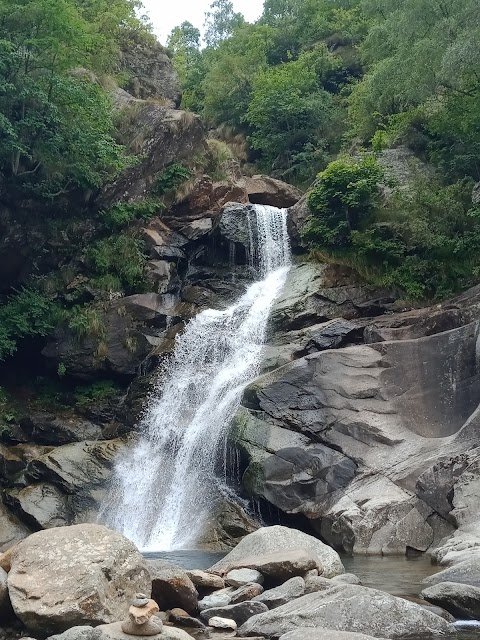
(165, 485)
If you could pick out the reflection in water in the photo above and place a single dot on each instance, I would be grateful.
(398, 575)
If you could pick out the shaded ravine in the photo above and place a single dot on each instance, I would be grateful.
(166, 485)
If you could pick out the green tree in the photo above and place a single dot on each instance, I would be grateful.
(290, 113)
(221, 22)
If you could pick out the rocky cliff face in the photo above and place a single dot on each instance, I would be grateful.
(365, 422)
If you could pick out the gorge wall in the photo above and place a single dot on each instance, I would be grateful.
(365, 419)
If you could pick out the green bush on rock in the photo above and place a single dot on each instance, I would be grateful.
(423, 241)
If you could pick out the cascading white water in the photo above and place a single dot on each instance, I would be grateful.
(164, 487)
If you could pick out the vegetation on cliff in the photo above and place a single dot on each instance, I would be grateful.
(313, 78)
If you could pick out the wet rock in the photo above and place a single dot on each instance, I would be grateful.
(41, 506)
(234, 223)
(162, 276)
(281, 539)
(205, 580)
(298, 216)
(241, 577)
(461, 600)
(222, 623)
(349, 608)
(45, 428)
(77, 466)
(72, 575)
(289, 590)
(239, 612)
(266, 190)
(171, 586)
(10, 464)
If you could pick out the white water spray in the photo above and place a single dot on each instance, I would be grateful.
(165, 486)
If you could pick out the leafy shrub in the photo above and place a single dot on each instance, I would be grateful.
(343, 200)
(172, 177)
(424, 242)
(101, 391)
(27, 313)
(121, 256)
(85, 321)
(124, 213)
(8, 413)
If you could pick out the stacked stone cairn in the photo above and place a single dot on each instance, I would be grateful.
(142, 620)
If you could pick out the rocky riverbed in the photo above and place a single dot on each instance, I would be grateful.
(80, 582)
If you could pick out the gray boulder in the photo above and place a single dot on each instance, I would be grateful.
(11, 530)
(347, 578)
(171, 586)
(305, 633)
(240, 577)
(114, 632)
(466, 572)
(289, 590)
(239, 612)
(281, 539)
(79, 633)
(75, 575)
(267, 190)
(461, 600)
(205, 580)
(216, 600)
(349, 608)
(42, 506)
(279, 565)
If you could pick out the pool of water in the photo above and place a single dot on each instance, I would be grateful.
(398, 575)
(188, 558)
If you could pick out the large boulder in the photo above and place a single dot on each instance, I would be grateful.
(151, 73)
(159, 136)
(281, 539)
(289, 590)
(466, 572)
(349, 608)
(239, 612)
(266, 190)
(279, 565)
(69, 576)
(305, 633)
(171, 586)
(461, 600)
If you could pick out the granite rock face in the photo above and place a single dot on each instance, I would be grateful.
(366, 419)
(349, 608)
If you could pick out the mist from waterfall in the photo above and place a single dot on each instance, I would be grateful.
(166, 484)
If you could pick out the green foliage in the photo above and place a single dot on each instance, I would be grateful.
(27, 313)
(221, 21)
(95, 393)
(343, 200)
(123, 214)
(119, 255)
(172, 177)
(85, 321)
(424, 242)
(55, 125)
(288, 111)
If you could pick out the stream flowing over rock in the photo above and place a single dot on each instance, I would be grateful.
(191, 408)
